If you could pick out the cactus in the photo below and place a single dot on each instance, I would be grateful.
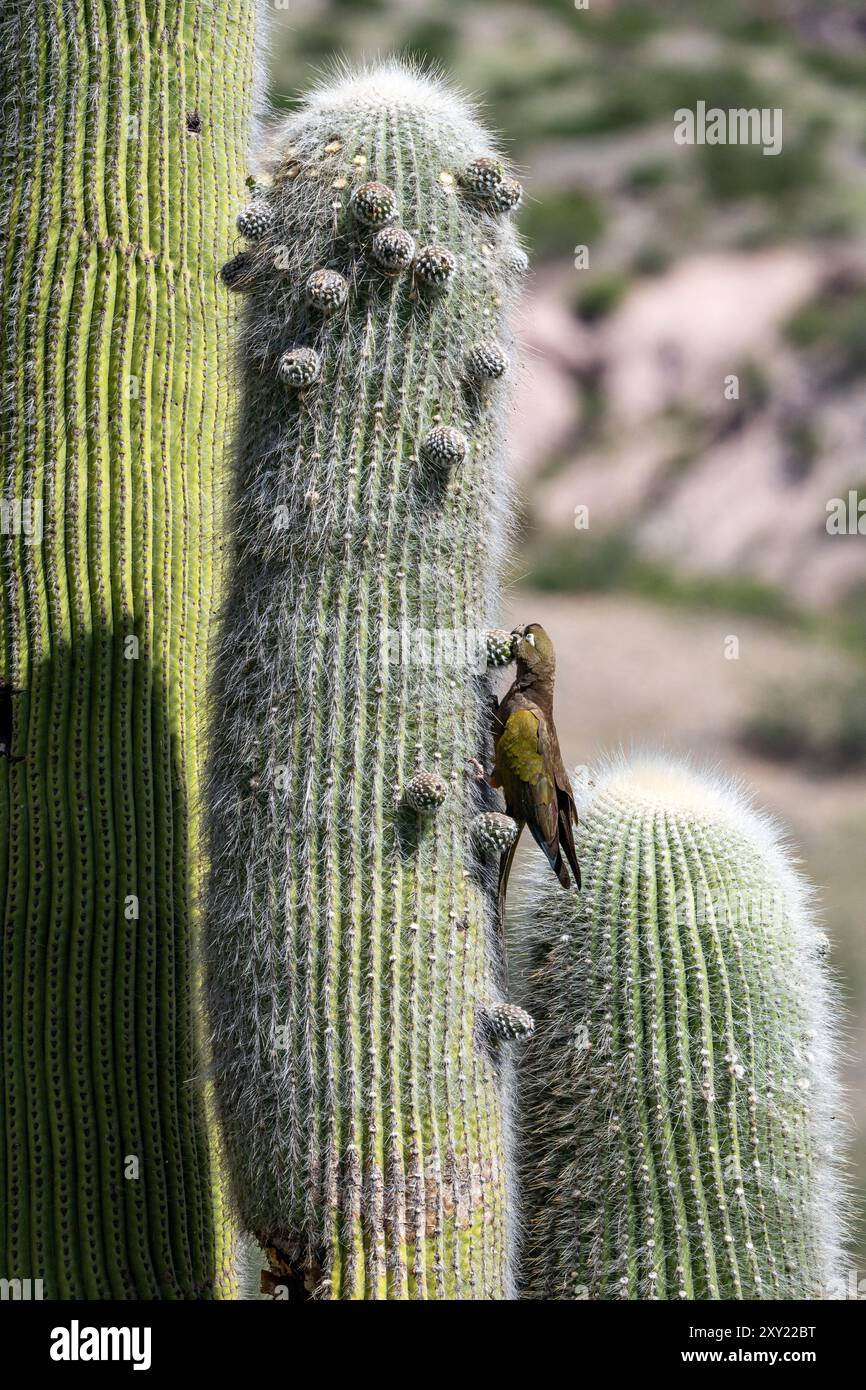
(124, 143)
(350, 940)
(679, 1094)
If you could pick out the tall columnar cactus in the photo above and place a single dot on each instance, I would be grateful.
(124, 134)
(351, 939)
(680, 1094)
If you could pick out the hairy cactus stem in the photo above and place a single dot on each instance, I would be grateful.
(351, 939)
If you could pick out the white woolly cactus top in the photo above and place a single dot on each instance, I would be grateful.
(661, 782)
(394, 87)
(682, 1102)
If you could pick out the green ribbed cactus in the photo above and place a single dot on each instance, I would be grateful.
(125, 125)
(351, 939)
(679, 1095)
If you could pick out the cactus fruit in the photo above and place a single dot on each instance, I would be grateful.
(482, 176)
(327, 290)
(486, 181)
(299, 367)
(493, 833)
(500, 647)
(116, 213)
(486, 362)
(255, 220)
(516, 260)
(680, 1091)
(444, 447)
(507, 196)
(349, 941)
(508, 1022)
(393, 248)
(425, 792)
(374, 204)
(237, 273)
(435, 266)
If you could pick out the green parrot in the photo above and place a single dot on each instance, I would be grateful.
(528, 765)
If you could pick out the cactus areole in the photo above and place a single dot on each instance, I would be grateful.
(351, 936)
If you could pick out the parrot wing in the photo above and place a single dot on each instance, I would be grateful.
(526, 760)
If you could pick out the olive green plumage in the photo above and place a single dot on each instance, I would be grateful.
(529, 766)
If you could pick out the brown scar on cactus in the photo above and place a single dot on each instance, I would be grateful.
(7, 722)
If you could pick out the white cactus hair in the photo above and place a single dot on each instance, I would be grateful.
(262, 113)
(738, 1005)
(402, 86)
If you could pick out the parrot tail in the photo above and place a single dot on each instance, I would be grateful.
(571, 856)
(561, 870)
(567, 821)
(505, 862)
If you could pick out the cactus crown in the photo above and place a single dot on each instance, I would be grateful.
(681, 1100)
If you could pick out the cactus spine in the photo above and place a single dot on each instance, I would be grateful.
(125, 127)
(350, 939)
(680, 1094)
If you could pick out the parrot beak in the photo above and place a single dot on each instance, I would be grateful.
(518, 632)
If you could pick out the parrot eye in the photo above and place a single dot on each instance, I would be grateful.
(530, 637)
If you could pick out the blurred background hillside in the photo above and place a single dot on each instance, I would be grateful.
(706, 509)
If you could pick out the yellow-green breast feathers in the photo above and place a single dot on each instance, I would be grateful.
(518, 757)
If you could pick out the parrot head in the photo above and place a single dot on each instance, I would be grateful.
(534, 653)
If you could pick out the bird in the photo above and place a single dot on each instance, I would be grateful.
(528, 766)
